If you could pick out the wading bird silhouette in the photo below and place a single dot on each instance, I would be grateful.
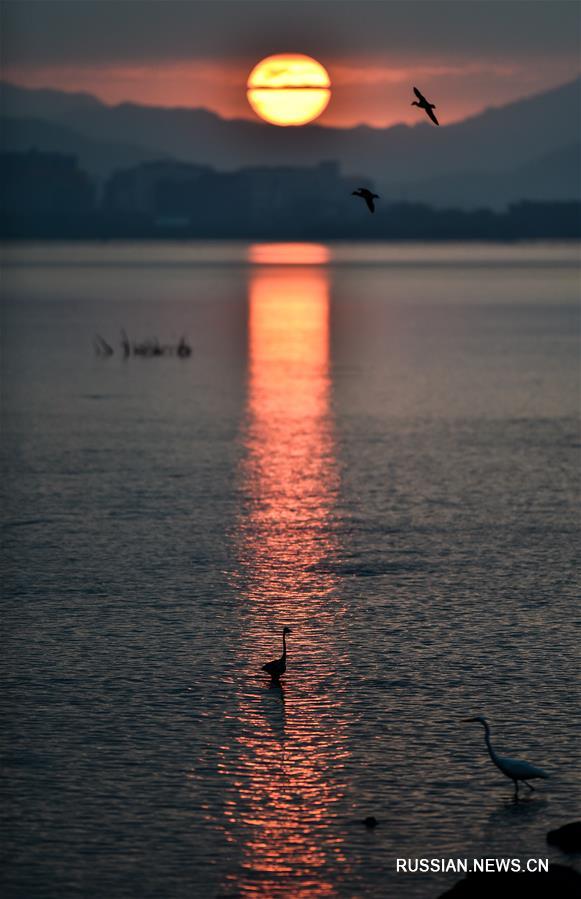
(367, 196)
(423, 104)
(102, 348)
(514, 769)
(277, 667)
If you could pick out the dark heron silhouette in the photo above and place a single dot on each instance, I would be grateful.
(183, 349)
(514, 769)
(277, 668)
(125, 345)
(102, 348)
(367, 196)
(423, 104)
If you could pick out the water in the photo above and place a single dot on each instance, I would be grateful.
(375, 445)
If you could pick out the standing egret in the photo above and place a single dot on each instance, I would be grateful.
(511, 768)
(277, 667)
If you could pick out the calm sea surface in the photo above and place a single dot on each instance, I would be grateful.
(375, 445)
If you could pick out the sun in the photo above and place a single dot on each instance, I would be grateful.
(288, 89)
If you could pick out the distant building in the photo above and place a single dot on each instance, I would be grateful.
(248, 201)
(171, 222)
(43, 184)
(47, 195)
(137, 190)
(535, 219)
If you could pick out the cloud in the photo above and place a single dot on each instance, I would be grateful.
(345, 74)
(466, 55)
(43, 32)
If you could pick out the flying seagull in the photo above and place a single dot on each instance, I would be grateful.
(367, 196)
(423, 104)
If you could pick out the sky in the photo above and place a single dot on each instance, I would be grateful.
(465, 55)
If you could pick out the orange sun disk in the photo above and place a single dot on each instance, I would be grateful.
(289, 89)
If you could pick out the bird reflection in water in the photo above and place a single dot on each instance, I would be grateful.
(291, 745)
(274, 711)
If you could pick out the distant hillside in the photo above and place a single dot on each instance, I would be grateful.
(98, 157)
(553, 176)
(500, 142)
(43, 102)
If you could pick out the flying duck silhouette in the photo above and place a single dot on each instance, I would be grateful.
(277, 668)
(511, 768)
(423, 104)
(367, 196)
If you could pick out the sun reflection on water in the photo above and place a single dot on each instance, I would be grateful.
(291, 744)
(289, 254)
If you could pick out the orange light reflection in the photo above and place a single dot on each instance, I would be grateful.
(291, 747)
(289, 254)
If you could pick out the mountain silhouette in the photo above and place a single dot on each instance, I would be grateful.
(552, 176)
(98, 157)
(497, 142)
(42, 102)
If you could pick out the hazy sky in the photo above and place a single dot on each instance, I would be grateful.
(465, 54)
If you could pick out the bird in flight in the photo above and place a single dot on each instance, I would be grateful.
(514, 769)
(367, 196)
(423, 104)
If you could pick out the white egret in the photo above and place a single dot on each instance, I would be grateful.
(514, 769)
